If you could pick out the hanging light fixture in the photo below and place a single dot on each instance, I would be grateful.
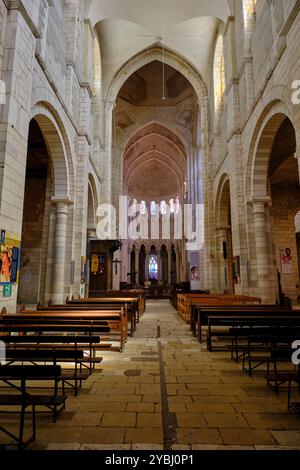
(163, 74)
(163, 50)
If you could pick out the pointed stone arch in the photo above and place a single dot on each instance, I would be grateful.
(151, 55)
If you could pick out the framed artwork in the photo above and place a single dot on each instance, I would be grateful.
(286, 260)
(9, 258)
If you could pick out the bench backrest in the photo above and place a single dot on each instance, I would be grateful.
(43, 354)
(44, 339)
(29, 372)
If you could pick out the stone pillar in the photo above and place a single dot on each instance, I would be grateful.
(262, 249)
(60, 249)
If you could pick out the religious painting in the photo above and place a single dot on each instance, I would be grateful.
(286, 261)
(9, 258)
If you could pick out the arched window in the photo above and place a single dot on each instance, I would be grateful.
(153, 208)
(163, 208)
(97, 85)
(177, 205)
(143, 208)
(219, 77)
(172, 206)
(153, 267)
(249, 22)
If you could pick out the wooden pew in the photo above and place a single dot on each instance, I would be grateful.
(260, 343)
(249, 320)
(185, 301)
(203, 312)
(116, 319)
(25, 399)
(131, 303)
(57, 343)
(106, 307)
(285, 376)
(84, 328)
(199, 312)
(137, 293)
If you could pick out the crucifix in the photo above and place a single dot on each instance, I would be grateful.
(116, 262)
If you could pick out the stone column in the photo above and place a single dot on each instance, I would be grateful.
(262, 249)
(60, 239)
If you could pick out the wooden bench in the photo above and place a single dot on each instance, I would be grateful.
(199, 313)
(131, 304)
(185, 301)
(240, 332)
(260, 344)
(116, 320)
(56, 343)
(24, 399)
(250, 320)
(136, 293)
(279, 377)
(129, 313)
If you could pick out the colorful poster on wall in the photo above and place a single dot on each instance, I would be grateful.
(9, 258)
(94, 263)
(82, 277)
(286, 261)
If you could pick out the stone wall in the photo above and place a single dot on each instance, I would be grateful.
(41, 62)
(260, 77)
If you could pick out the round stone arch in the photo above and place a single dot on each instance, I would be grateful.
(92, 208)
(272, 115)
(222, 201)
(59, 151)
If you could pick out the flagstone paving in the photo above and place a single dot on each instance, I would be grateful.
(165, 391)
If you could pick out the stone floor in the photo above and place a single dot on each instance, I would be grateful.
(165, 391)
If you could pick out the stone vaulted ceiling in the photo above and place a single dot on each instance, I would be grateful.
(154, 164)
(127, 27)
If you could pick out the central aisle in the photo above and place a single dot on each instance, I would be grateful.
(166, 391)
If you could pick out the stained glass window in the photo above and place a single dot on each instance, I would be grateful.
(172, 206)
(153, 267)
(163, 207)
(143, 208)
(177, 205)
(153, 208)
